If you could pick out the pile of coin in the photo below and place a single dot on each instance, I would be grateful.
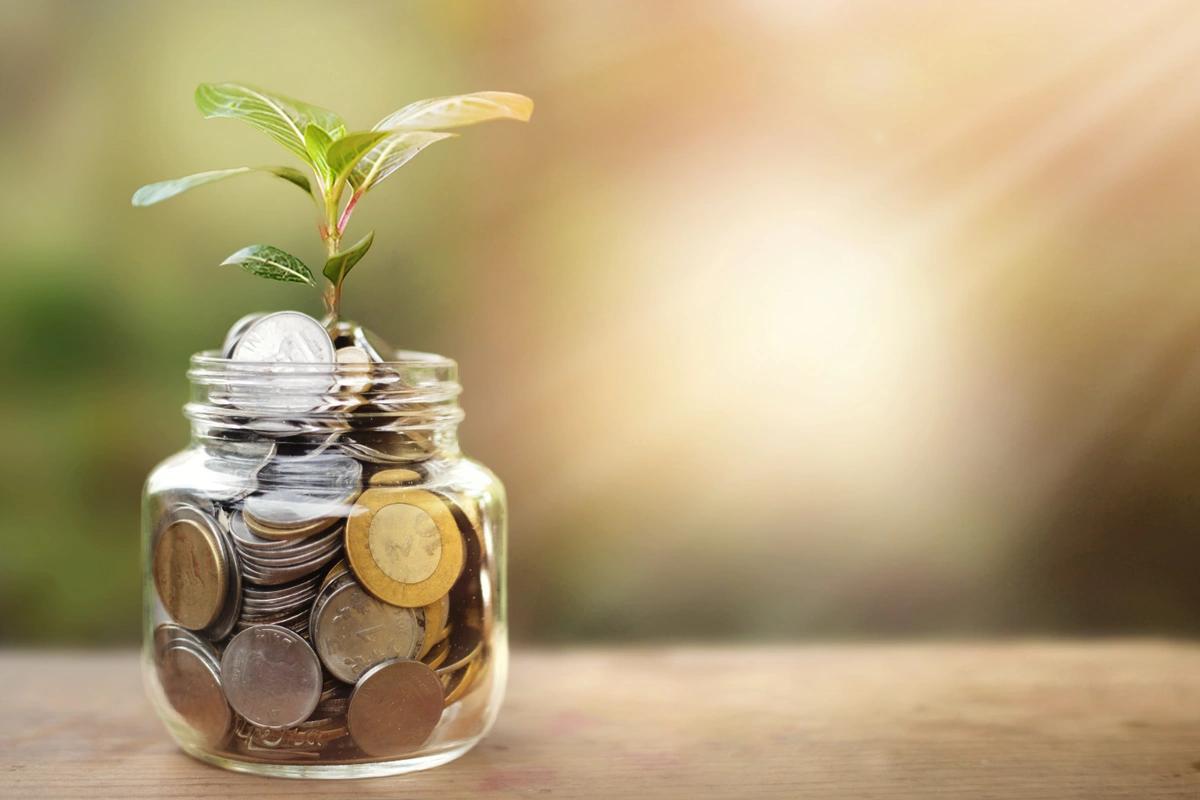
(320, 582)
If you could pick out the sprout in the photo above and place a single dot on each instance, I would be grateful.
(345, 166)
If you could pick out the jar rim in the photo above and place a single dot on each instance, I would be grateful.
(401, 360)
(412, 389)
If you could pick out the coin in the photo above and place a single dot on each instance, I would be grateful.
(348, 334)
(464, 646)
(404, 545)
(223, 624)
(191, 682)
(191, 571)
(267, 530)
(271, 676)
(164, 634)
(396, 476)
(437, 614)
(236, 331)
(354, 369)
(298, 492)
(459, 682)
(352, 631)
(386, 446)
(394, 707)
(285, 337)
(340, 568)
(437, 655)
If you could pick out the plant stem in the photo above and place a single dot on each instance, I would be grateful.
(332, 236)
(344, 220)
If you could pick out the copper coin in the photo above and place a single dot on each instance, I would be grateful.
(395, 707)
(190, 572)
(271, 676)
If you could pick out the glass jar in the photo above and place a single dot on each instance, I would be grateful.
(324, 571)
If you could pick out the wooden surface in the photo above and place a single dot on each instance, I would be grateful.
(1021, 720)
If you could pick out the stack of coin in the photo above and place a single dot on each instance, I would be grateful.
(272, 562)
(189, 673)
(322, 599)
(286, 605)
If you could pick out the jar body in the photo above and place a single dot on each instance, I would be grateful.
(324, 600)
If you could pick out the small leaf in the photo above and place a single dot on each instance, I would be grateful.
(458, 110)
(153, 193)
(346, 152)
(339, 264)
(282, 118)
(266, 261)
(389, 155)
(317, 142)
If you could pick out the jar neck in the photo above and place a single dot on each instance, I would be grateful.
(391, 412)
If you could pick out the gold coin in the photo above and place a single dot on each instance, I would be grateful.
(404, 545)
(460, 682)
(337, 569)
(437, 655)
(190, 573)
(472, 606)
(274, 532)
(436, 614)
(461, 649)
(397, 476)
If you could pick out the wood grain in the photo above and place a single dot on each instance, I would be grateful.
(1016, 720)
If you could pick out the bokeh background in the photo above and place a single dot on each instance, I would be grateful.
(780, 319)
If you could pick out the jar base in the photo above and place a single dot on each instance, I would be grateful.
(378, 769)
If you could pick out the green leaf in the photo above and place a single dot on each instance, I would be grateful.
(346, 152)
(339, 264)
(390, 154)
(153, 193)
(317, 142)
(458, 110)
(282, 118)
(266, 261)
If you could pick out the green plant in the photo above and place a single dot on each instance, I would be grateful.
(345, 166)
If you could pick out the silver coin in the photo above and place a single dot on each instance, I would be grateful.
(271, 576)
(224, 623)
(277, 576)
(291, 548)
(259, 594)
(236, 331)
(292, 621)
(282, 338)
(285, 337)
(297, 490)
(286, 558)
(167, 632)
(271, 676)
(352, 631)
(191, 681)
(254, 546)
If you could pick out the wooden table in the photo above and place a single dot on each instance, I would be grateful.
(1017, 720)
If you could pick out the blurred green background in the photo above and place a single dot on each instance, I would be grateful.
(779, 319)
